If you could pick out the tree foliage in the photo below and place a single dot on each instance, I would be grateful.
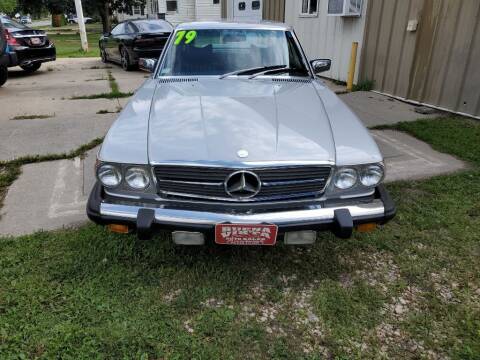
(102, 8)
(8, 6)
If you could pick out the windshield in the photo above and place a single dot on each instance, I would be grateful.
(221, 51)
(12, 24)
(153, 26)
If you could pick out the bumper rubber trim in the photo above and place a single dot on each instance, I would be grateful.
(343, 223)
(145, 220)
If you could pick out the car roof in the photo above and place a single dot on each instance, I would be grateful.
(208, 25)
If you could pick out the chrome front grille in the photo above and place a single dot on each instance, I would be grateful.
(277, 183)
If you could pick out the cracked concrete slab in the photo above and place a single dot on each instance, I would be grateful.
(377, 109)
(48, 196)
(72, 122)
(408, 158)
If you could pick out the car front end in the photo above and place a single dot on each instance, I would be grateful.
(246, 157)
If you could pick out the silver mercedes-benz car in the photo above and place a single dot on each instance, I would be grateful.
(234, 139)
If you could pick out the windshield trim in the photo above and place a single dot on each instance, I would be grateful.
(168, 45)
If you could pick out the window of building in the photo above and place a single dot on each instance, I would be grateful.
(242, 6)
(216, 2)
(136, 10)
(172, 5)
(309, 7)
(256, 5)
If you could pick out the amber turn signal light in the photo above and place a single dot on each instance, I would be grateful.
(118, 228)
(366, 227)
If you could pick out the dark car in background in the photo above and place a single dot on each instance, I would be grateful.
(134, 39)
(4, 58)
(31, 47)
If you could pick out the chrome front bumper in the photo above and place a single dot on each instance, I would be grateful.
(339, 218)
(280, 218)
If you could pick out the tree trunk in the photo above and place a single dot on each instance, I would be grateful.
(105, 15)
(57, 20)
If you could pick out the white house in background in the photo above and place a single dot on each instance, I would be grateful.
(176, 11)
(150, 10)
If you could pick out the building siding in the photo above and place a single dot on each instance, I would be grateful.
(274, 10)
(206, 10)
(185, 11)
(434, 65)
(328, 37)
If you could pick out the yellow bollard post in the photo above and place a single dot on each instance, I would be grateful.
(351, 68)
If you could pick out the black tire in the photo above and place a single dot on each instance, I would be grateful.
(31, 68)
(103, 55)
(3, 75)
(125, 60)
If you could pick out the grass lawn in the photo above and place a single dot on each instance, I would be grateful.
(67, 40)
(411, 290)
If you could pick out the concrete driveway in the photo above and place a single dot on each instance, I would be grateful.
(53, 195)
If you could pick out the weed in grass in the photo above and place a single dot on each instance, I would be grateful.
(115, 93)
(365, 85)
(102, 112)
(32, 117)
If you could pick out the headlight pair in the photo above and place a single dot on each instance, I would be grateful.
(368, 175)
(135, 177)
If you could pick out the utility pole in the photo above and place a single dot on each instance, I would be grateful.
(81, 25)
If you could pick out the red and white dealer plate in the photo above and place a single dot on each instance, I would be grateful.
(244, 234)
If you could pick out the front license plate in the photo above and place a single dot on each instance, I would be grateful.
(243, 234)
(36, 41)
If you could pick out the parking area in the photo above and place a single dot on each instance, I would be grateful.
(60, 109)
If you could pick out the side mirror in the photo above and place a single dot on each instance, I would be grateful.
(147, 64)
(321, 65)
(107, 34)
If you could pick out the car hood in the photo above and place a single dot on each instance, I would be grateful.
(213, 120)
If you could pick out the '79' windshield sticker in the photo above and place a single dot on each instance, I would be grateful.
(186, 36)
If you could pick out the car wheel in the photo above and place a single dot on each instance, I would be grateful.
(125, 60)
(3, 75)
(103, 55)
(31, 68)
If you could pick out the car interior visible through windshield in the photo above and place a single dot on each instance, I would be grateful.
(220, 51)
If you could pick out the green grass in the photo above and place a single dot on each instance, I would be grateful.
(114, 93)
(32, 117)
(411, 290)
(365, 85)
(67, 40)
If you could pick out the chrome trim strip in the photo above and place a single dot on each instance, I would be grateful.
(291, 182)
(28, 36)
(236, 200)
(192, 182)
(188, 217)
(235, 165)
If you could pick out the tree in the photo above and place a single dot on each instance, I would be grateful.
(105, 9)
(8, 6)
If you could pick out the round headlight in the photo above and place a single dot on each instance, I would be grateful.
(137, 178)
(371, 175)
(109, 175)
(345, 178)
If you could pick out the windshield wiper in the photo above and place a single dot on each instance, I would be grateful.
(253, 70)
(279, 71)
